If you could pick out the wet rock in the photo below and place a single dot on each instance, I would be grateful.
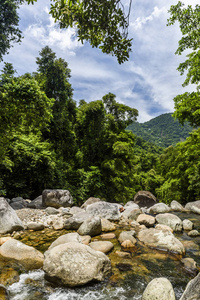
(66, 238)
(91, 226)
(107, 225)
(108, 236)
(9, 220)
(123, 254)
(74, 264)
(145, 199)
(187, 225)
(161, 240)
(127, 235)
(103, 246)
(27, 257)
(128, 244)
(159, 289)
(35, 226)
(104, 210)
(4, 295)
(57, 198)
(147, 220)
(190, 265)
(193, 206)
(192, 291)
(176, 206)
(75, 222)
(193, 233)
(170, 220)
(159, 208)
(89, 201)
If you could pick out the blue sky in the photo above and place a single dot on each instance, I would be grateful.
(148, 81)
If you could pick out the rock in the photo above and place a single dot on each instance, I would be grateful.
(147, 220)
(27, 257)
(190, 265)
(66, 238)
(176, 206)
(193, 206)
(159, 208)
(170, 220)
(90, 227)
(4, 295)
(9, 220)
(35, 226)
(107, 225)
(76, 210)
(193, 233)
(108, 236)
(128, 244)
(123, 254)
(163, 227)
(4, 239)
(58, 224)
(187, 225)
(131, 213)
(127, 235)
(57, 198)
(161, 240)
(192, 291)
(18, 203)
(74, 264)
(145, 199)
(36, 203)
(75, 222)
(85, 239)
(89, 201)
(52, 210)
(104, 210)
(159, 289)
(131, 204)
(103, 246)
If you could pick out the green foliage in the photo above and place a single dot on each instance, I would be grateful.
(103, 24)
(163, 130)
(9, 31)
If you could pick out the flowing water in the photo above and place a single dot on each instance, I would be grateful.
(129, 278)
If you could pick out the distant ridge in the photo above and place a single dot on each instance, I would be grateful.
(163, 130)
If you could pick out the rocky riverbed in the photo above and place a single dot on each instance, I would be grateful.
(137, 245)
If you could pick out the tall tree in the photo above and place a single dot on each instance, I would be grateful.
(103, 23)
(9, 21)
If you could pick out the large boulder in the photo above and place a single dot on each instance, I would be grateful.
(161, 240)
(89, 201)
(57, 198)
(159, 289)
(193, 206)
(36, 203)
(145, 199)
(9, 221)
(192, 291)
(170, 220)
(18, 203)
(176, 206)
(90, 227)
(73, 223)
(27, 257)
(159, 208)
(109, 211)
(74, 264)
(66, 238)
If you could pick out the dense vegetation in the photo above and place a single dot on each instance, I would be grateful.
(48, 141)
(163, 130)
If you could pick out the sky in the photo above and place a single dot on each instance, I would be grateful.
(148, 81)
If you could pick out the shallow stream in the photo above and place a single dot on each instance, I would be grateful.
(129, 278)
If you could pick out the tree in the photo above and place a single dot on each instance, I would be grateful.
(9, 31)
(103, 23)
(187, 105)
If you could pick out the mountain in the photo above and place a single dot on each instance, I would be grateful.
(163, 130)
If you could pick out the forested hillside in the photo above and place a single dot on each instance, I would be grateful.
(163, 130)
